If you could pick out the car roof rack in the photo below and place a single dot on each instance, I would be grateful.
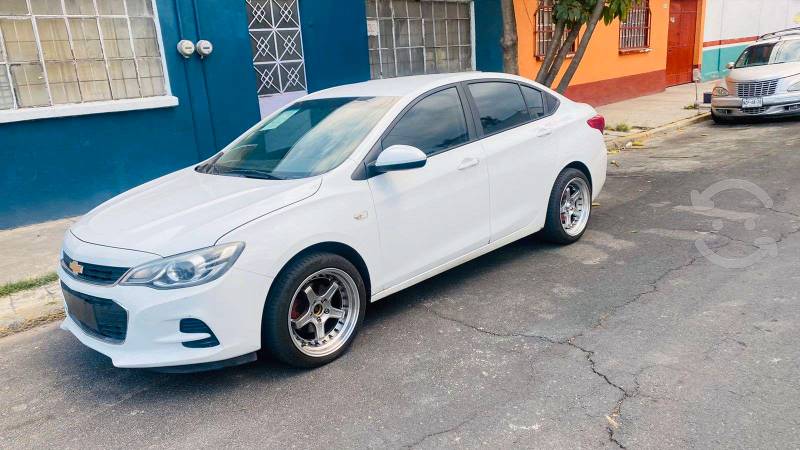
(774, 34)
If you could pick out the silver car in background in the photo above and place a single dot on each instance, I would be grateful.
(763, 82)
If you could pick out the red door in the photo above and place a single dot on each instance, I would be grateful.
(681, 41)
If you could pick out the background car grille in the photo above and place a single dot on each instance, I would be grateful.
(94, 273)
(110, 321)
(756, 88)
(759, 110)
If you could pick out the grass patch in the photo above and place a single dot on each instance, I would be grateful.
(31, 283)
(622, 127)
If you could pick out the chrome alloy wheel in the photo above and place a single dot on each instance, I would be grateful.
(575, 205)
(323, 312)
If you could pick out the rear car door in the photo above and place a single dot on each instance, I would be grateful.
(521, 150)
(434, 214)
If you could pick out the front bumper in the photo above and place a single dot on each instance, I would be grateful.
(231, 306)
(786, 104)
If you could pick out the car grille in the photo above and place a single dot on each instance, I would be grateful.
(759, 110)
(97, 316)
(94, 273)
(756, 88)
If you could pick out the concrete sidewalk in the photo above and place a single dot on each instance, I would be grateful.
(655, 110)
(31, 251)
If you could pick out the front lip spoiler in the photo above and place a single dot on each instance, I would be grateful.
(207, 366)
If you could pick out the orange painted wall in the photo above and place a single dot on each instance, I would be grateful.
(602, 60)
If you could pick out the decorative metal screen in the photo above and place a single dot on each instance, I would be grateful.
(634, 31)
(277, 46)
(55, 52)
(412, 37)
(545, 29)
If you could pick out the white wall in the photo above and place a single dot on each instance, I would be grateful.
(732, 19)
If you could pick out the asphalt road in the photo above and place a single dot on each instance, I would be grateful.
(630, 337)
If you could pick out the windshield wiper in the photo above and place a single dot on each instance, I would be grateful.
(248, 173)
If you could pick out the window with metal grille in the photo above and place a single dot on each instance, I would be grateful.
(412, 37)
(545, 29)
(55, 52)
(634, 31)
(277, 46)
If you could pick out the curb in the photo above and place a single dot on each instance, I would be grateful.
(619, 142)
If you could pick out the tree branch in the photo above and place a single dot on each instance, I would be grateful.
(597, 12)
(562, 54)
(552, 49)
(509, 40)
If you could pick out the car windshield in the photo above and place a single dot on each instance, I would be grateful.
(771, 53)
(306, 139)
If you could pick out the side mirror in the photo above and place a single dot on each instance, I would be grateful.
(730, 65)
(400, 157)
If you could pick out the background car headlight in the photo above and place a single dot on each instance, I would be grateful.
(794, 87)
(187, 269)
(719, 91)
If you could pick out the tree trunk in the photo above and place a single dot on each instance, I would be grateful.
(576, 60)
(562, 55)
(509, 40)
(550, 53)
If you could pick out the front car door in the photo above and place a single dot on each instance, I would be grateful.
(434, 214)
(521, 151)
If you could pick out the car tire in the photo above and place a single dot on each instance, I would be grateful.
(289, 303)
(555, 230)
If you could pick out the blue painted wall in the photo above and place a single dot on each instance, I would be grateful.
(54, 168)
(335, 42)
(488, 32)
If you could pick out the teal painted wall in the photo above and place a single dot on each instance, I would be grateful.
(488, 31)
(60, 167)
(715, 60)
(335, 45)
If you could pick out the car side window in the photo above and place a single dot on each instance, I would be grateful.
(535, 101)
(500, 105)
(436, 123)
(551, 102)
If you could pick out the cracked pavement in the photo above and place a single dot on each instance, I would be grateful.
(630, 338)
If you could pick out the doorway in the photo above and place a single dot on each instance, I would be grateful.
(681, 41)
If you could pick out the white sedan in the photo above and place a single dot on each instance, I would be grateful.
(343, 197)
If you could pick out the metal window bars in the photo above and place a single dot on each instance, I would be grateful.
(634, 31)
(277, 46)
(545, 29)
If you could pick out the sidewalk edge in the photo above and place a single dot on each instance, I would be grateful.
(620, 142)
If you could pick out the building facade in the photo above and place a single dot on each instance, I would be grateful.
(656, 46)
(731, 25)
(95, 96)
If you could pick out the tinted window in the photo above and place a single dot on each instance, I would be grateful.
(434, 124)
(306, 139)
(535, 102)
(770, 53)
(500, 105)
(552, 103)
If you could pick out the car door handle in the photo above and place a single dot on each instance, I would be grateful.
(542, 132)
(467, 163)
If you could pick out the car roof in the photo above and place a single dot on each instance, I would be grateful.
(406, 86)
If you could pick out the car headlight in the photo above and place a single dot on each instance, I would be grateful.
(719, 91)
(794, 87)
(187, 269)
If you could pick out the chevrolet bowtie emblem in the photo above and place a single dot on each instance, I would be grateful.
(76, 267)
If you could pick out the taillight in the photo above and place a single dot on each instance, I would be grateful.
(597, 122)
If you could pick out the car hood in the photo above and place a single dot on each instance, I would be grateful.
(186, 210)
(766, 72)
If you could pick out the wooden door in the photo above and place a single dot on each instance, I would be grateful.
(681, 41)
